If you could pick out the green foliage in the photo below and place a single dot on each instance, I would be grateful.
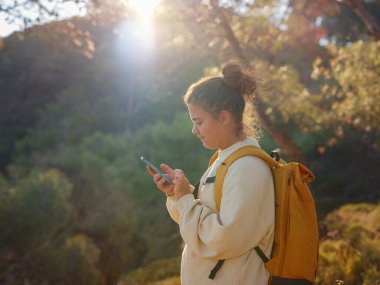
(357, 69)
(33, 209)
(71, 263)
(114, 162)
(160, 272)
(36, 212)
(352, 250)
(288, 101)
(351, 89)
(114, 196)
(95, 133)
(33, 73)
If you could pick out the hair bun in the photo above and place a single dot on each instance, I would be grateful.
(235, 77)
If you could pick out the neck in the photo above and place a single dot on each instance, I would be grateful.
(232, 140)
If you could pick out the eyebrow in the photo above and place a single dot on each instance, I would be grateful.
(196, 118)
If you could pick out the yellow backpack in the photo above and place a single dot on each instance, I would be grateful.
(294, 258)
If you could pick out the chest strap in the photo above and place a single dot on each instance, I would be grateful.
(210, 179)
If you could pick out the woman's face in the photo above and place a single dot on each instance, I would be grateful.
(207, 128)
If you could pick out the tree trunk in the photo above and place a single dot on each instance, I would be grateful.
(369, 21)
(290, 148)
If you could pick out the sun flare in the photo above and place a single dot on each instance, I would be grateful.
(144, 10)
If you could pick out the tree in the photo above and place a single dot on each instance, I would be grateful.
(35, 246)
(373, 27)
(282, 137)
(350, 87)
(29, 13)
(210, 17)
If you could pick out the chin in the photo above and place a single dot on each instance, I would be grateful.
(209, 146)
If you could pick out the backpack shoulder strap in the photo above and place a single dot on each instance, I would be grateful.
(223, 168)
(213, 158)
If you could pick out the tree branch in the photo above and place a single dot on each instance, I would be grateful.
(369, 21)
(282, 137)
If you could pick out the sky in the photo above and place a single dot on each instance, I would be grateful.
(65, 10)
(5, 29)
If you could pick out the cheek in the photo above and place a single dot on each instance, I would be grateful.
(209, 131)
(204, 129)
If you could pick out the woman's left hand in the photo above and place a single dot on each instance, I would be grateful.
(181, 184)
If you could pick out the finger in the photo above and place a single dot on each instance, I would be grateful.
(150, 170)
(167, 169)
(156, 178)
(170, 173)
(169, 192)
(179, 174)
(160, 184)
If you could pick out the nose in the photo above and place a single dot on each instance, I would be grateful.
(195, 130)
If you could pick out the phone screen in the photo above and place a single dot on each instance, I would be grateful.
(155, 169)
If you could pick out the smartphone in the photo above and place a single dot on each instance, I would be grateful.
(155, 169)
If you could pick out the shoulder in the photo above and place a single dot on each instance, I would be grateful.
(249, 173)
(247, 169)
(250, 163)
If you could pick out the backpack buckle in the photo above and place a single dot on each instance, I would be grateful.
(276, 154)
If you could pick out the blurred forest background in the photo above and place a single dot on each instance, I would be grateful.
(82, 98)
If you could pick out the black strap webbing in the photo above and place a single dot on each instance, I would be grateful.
(210, 179)
(216, 269)
(196, 189)
(262, 255)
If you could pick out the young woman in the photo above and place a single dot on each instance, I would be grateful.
(217, 107)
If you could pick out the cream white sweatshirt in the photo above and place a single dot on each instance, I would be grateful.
(245, 220)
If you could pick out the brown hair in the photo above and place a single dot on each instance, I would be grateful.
(230, 92)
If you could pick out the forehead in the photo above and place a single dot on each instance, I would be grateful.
(197, 112)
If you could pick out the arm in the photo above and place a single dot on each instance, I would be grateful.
(170, 205)
(180, 186)
(246, 214)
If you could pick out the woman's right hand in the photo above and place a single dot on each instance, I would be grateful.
(168, 189)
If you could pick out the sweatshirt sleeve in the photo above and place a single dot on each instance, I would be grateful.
(170, 206)
(246, 213)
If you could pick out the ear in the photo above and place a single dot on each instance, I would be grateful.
(225, 117)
